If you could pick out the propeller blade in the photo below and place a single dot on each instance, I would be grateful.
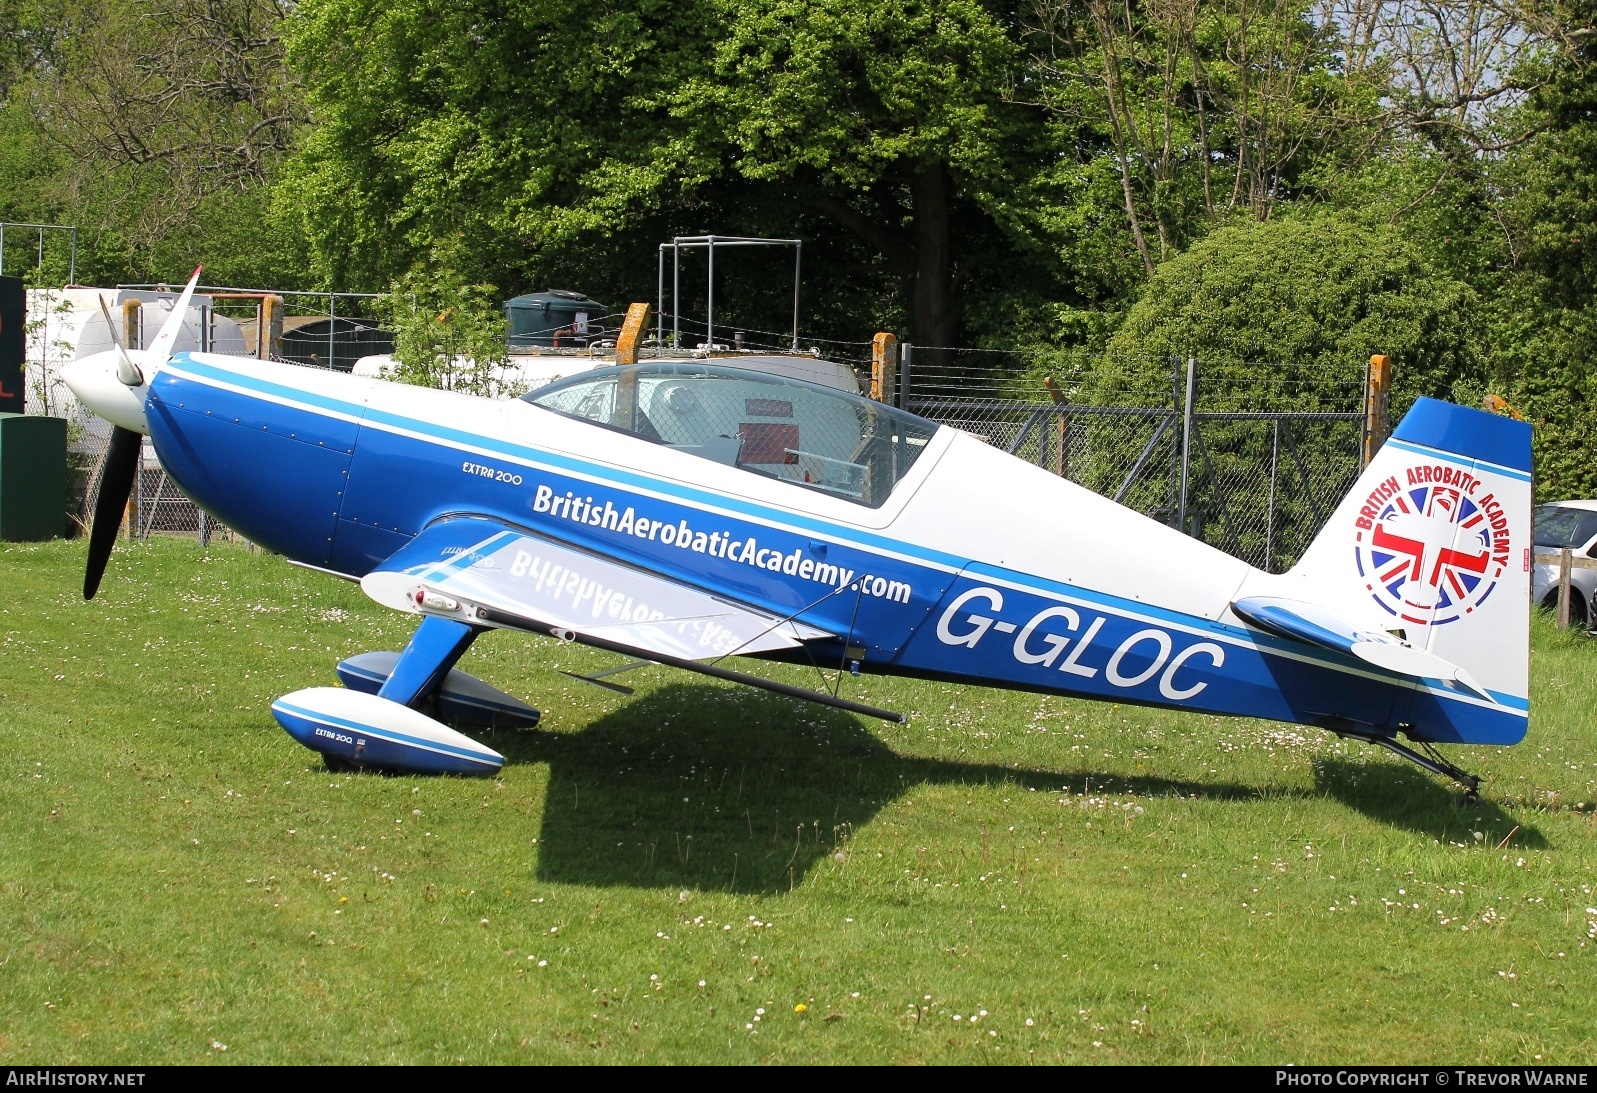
(116, 486)
(161, 348)
(126, 371)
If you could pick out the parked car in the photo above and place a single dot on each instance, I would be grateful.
(1571, 524)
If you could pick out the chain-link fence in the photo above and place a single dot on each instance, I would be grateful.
(157, 506)
(1250, 457)
(1257, 485)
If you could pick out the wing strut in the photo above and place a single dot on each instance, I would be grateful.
(520, 622)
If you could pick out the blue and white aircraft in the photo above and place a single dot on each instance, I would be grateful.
(681, 514)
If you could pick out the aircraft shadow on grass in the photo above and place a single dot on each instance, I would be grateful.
(1402, 796)
(695, 787)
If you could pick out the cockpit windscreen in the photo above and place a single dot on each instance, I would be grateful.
(798, 432)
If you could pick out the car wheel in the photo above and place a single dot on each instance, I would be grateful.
(1580, 612)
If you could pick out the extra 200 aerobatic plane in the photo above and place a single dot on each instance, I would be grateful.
(680, 514)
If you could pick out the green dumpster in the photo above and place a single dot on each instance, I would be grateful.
(33, 477)
(555, 318)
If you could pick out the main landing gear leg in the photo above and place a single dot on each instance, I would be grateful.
(1433, 762)
(437, 644)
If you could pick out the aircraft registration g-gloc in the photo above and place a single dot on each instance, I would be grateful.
(681, 514)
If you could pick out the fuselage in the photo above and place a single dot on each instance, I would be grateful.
(978, 567)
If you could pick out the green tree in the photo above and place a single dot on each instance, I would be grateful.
(1282, 315)
(153, 125)
(1210, 110)
(885, 117)
(1544, 336)
(532, 129)
(30, 34)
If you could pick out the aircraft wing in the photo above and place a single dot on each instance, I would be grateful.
(474, 569)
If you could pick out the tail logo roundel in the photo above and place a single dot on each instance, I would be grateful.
(1432, 551)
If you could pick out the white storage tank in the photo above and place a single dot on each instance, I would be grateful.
(65, 324)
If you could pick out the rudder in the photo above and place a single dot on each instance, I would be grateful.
(1434, 543)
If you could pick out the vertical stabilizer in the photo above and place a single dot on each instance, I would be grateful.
(1434, 543)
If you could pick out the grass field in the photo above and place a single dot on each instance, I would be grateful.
(702, 873)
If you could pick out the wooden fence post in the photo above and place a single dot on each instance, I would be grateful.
(884, 367)
(1378, 382)
(132, 325)
(1565, 556)
(1062, 430)
(269, 331)
(1566, 560)
(632, 328)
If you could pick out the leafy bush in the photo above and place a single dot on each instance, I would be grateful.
(1283, 316)
(1324, 291)
(448, 333)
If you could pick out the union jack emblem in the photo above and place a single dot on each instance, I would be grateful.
(1428, 557)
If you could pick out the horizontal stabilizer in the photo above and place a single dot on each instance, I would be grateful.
(1314, 625)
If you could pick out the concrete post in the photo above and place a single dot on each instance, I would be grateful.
(1186, 444)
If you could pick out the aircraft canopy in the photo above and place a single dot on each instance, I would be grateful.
(804, 433)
